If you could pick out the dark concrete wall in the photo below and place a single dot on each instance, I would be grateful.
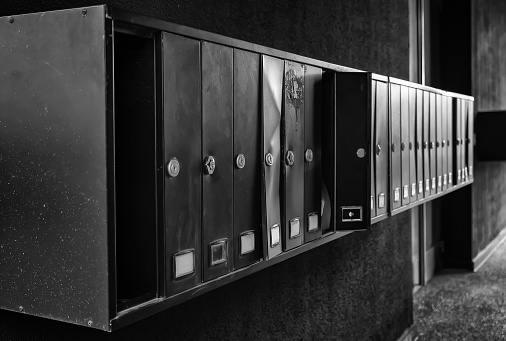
(489, 89)
(356, 288)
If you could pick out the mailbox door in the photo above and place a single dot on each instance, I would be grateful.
(470, 134)
(312, 153)
(395, 150)
(465, 138)
(382, 148)
(426, 143)
(432, 143)
(412, 146)
(439, 149)
(272, 96)
(419, 144)
(450, 141)
(353, 135)
(457, 138)
(217, 150)
(292, 151)
(405, 172)
(444, 138)
(183, 192)
(247, 202)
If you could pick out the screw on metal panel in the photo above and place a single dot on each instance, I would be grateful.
(90, 323)
(290, 158)
(269, 159)
(85, 11)
(240, 161)
(173, 167)
(21, 309)
(378, 149)
(361, 152)
(11, 20)
(209, 165)
(309, 155)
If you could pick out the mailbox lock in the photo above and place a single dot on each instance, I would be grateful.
(448, 143)
(269, 159)
(432, 145)
(417, 144)
(437, 144)
(393, 147)
(410, 145)
(240, 161)
(403, 146)
(209, 165)
(443, 143)
(361, 152)
(173, 167)
(290, 158)
(378, 149)
(457, 142)
(309, 155)
(425, 144)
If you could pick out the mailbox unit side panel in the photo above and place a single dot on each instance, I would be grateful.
(54, 194)
(183, 192)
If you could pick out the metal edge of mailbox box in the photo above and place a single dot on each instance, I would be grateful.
(353, 166)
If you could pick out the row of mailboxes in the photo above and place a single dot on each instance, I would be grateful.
(422, 143)
(145, 163)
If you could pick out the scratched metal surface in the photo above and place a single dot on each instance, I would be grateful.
(53, 221)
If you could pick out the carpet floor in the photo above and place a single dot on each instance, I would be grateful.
(464, 306)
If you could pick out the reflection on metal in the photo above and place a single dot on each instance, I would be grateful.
(209, 165)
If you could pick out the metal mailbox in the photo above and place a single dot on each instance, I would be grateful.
(272, 96)
(419, 144)
(292, 160)
(247, 160)
(395, 148)
(379, 147)
(313, 97)
(182, 160)
(470, 137)
(353, 139)
(206, 155)
(439, 139)
(405, 154)
(444, 138)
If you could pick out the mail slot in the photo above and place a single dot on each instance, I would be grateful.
(312, 152)
(247, 245)
(217, 159)
(292, 155)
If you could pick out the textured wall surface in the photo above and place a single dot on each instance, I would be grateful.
(358, 287)
(489, 89)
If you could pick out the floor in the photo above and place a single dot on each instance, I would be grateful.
(464, 305)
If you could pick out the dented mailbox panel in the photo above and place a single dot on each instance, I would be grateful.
(54, 193)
